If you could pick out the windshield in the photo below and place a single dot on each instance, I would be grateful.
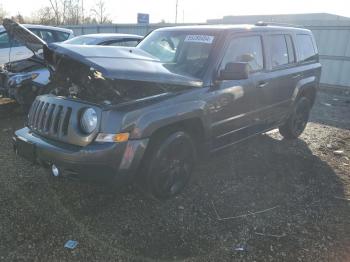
(81, 40)
(181, 52)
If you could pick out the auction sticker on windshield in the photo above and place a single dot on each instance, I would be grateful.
(207, 39)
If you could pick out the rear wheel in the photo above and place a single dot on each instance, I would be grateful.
(296, 123)
(169, 164)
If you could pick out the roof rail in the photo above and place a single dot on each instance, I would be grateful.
(262, 23)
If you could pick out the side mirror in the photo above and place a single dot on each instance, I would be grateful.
(235, 71)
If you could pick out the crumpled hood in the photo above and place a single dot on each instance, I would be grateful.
(119, 63)
(23, 35)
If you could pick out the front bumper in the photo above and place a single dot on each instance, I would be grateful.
(97, 161)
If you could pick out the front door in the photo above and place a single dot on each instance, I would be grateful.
(236, 106)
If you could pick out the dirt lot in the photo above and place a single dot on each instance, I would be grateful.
(265, 199)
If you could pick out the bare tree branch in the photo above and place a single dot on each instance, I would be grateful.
(100, 12)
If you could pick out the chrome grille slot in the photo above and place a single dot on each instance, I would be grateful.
(66, 121)
(43, 116)
(31, 112)
(37, 115)
(58, 118)
(48, 119)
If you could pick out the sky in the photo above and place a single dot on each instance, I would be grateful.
(191, 11)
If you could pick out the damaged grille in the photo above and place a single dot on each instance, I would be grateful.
(58, 119)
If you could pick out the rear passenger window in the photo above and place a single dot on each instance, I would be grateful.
(278, 50)
(306, 48)
(45, 35)
(290, 46)
(245, 49)
(61, 36)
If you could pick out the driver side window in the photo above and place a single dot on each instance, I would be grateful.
(245, 49)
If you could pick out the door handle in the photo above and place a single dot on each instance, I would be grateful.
(262, 84)
(297, 76)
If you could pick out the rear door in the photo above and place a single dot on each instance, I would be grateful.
(309, 66)
(239, 103)
(284, 76)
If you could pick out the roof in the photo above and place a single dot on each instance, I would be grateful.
(43, 27)
(238, 27)
(112, 35)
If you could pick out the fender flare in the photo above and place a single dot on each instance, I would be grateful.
(304, 84)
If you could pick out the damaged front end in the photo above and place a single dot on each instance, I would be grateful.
(95, 78)
(23, 80)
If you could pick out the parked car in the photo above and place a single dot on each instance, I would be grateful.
(111, 39)
(25, 79)
(145, 114)
(14, 50)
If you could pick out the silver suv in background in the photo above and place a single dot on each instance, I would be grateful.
(109, 39)
(11, 50)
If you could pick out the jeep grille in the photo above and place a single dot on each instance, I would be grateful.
(48, 118)
(58, 118)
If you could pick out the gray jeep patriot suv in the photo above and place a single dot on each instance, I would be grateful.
(147, 113)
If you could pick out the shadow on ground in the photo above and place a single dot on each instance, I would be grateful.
(288, 197)
(259, 174)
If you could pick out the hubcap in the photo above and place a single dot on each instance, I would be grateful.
(174, 168)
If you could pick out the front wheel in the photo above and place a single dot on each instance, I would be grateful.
(296, 123)
(169, 164)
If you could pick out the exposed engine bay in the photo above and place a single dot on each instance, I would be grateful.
(72, 79)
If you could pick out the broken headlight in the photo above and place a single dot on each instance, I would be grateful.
(88, 121)
(18, 79)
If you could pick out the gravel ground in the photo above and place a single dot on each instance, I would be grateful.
(265, 199)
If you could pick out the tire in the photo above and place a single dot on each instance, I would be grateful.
(297, 121)
(168, 165)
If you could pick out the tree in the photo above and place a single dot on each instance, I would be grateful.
(100, 12)
(44, 16)
(3, 13)
(61, 12)
(55, 5)
(19, 18)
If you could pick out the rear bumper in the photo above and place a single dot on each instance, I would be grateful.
(97, 161)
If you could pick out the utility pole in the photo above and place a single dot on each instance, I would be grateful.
(177, 3)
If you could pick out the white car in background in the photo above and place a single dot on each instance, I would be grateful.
(11, 50)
